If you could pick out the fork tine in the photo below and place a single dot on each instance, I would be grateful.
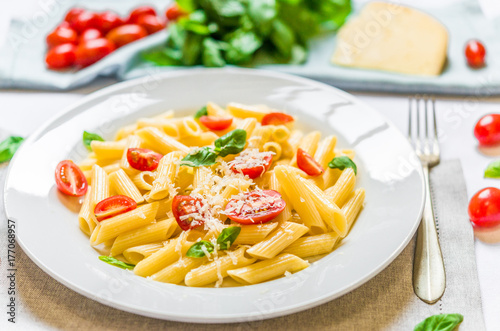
(427, 138)
(410, 137)
(418, 138)
(435, 147)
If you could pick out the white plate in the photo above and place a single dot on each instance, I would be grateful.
(48, 232)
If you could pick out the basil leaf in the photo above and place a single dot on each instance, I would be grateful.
(493, 170)
(443, 322)
(212, 54)
(241, 45)
(342, 162)
(204, 156)
(282, 37)
(228, 236)
(89, 137)
(8, 147)
(231, 143)
(197, 251)
(116, 262)
(202, 112)
(262, 13)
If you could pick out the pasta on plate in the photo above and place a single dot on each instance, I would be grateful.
(229, 196)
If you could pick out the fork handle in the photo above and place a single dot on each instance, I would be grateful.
(429, 279)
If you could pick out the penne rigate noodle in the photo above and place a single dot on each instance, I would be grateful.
(125, 131)
(280, 133)
(100, 189)
(204, 139)
(353, 206)
(144, 180)
(214, 109)
(254, 233)
(273, 147)
(313, 245)
(309, 144)
(163, 185)
(275, 185)
(133, 141)
(105, 150)
(123, 185)
(245, 111)
(162, 142)
(259, 137)
(343, 187)
(85, 219)
(248, 124)
(136, 254)
(176, 272)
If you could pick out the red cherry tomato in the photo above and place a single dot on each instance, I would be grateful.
(91, 51)
(113, 206)
(183, 205)
(138, 12)
(475, 53)
(107, 21)
(253, 165)
(258, 207)
(62, 35)
(487, 129)
(143, 159)
(174, 12)
(126, 34)
(61, 57)
(151, 23)
(73, 13)
(308, 164)
(84, 21)
(90, 34)
(276, 119)
(216, 123)
(70, 179)
(484, 208)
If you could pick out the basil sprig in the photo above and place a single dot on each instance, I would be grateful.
(493, 170)
(342, 162)
(443, 322)
(89, 137)
(197, 251)
(116, 262)
(202, 112)
(8, 147)
(227, 237)
(231, 143)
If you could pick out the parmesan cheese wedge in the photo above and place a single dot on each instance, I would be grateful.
(391, 37)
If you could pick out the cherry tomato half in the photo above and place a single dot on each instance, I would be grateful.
(308, 164)
(276, 119)
(90, 34)
(260, 206)
(174, 12)
(73, 13)
(70, 179)
(91, 51)
(253, 165)
(151, 23)
(183, 205)
(61, 57)
(487, 129)
(216, 123)
(475, 53)
(84, 21)
(484, 208)
(126, 34)
(107, 21)
(143, 159)
(112, 206)
(62, 35)
(138, 12)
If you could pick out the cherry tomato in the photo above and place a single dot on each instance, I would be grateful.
(126, 34)
(183, 205)
(90, 34)
(258, 207)
(151, 23)
(73, 13)
(143, 159)
(484, 208)
(138, 12)
(84, 21)
(276, 119)
(107, 21)
(70, 179)
(308, 164)
(216, 123)
(252, 165)
(62, 35)
(61, 56)
(91, 51)
(475, 53)
(112, 206)
(174, 12)
(487, 129)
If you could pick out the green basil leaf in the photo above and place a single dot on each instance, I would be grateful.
(342, 162)
(262, 13)
(116, 262)
(202, 112)
(204, 156)
(228, 236)
(197, 251)
(89, 137)
(191, 50)
(187, 5)
(241, 45)
(493, 170)
(443, 322)
(212, 54)
(282, 37)
(231, 143)
(8, 147)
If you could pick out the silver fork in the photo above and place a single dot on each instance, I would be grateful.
(429, 279)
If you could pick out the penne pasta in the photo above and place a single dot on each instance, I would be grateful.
(163, 185)
(123, 185)
(136, 254)
(162, 143)
(313, 245)
(254, 233)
